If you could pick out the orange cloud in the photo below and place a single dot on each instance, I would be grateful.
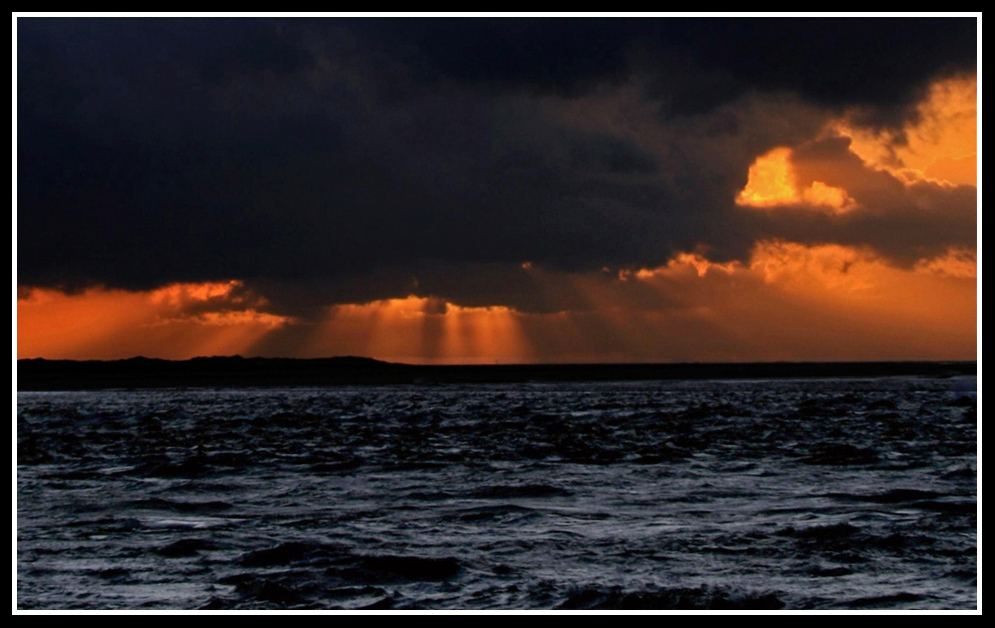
(850, 167)
(955, 263)
(940, 145)
(773, 182)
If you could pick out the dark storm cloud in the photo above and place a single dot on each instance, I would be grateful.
(700, 63)
(367, 159)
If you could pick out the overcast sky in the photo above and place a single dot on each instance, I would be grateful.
(509, 189)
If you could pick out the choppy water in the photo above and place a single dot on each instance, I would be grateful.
(651, 495)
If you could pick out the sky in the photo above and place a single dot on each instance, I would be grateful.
(497, 190)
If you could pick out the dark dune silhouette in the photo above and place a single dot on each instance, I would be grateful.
(236, 371)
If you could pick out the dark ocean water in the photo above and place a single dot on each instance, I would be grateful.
(793, 494)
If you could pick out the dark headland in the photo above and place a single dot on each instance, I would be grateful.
(40, 374)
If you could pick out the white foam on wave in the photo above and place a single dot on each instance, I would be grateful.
(185, 523)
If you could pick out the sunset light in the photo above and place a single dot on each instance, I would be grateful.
(940, 143)
(176, 321)
(626, 216)
(347, 313)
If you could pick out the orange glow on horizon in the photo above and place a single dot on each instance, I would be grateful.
(828, 302)
(786, 301)
(177, 321)
(420, 330)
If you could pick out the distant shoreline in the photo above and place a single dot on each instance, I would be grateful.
(237, 372)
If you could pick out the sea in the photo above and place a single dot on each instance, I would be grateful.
(778, 494)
